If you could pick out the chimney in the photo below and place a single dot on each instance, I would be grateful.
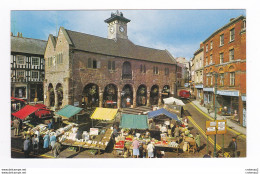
(18, 34)
(21, 34)
(231, 19)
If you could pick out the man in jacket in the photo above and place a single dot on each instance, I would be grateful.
(233, 147)
(16, 127)
(27, 147)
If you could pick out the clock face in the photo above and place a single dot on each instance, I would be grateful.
(111, 29)
(121, 28)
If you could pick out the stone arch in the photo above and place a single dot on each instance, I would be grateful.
(141, 95)
(51, 95)
(59, 92)
(154, 95)
(110, 96)
(127, 96)
(166, 91)
(221, 70)
(90, 95)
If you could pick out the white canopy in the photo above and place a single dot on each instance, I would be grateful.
(171, 100)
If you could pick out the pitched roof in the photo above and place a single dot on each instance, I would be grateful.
(28, 45)
(120, 47)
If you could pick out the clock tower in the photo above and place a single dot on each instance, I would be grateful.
(117, 26)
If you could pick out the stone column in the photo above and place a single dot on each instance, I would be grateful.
(101, 99)
(148, 98)
(56, 99)
(118, 99)
(160, 99)
(134, 98)
(47, 99)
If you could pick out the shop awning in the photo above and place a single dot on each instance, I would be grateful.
(42, 112)
(130, 121)
(171, 100)
(25, 112)
(69, 111)
(17, 99)
(162, 111)
(40, 105)
(104, 114)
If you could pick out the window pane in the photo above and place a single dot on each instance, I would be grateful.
(89, 63)
(94, 64)
(144, 69)
(109, 65)
(35, 61)
(113, 65)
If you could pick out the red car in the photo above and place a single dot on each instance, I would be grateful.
(184, 94)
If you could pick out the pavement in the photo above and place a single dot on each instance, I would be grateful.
(231, 124)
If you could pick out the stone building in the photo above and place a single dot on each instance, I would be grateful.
(87, 70)
(198, 73)
(27, 68)
(225, 55)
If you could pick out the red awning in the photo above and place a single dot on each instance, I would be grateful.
(25, 112)
(13, 98)
(40, 105)
(42, 112)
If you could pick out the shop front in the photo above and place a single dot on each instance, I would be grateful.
(199, 91)
(228, 103)
(208, 96)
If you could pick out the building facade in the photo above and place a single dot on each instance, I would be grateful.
(87, 70)
(198, 73)
(27, 68)
(225, 57)
(184, 63)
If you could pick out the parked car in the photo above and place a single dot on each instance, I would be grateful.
(184, 94)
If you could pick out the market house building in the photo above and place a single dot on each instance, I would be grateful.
(225, 55)
(87, 70)
(198, 73)
(27, 68)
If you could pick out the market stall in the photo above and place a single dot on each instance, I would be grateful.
(69, 112)
(173, 101)
(25, 112)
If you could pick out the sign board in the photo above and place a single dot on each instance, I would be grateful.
(76, 104)
(221, 126)
(93, 131)
(210, 128)
(216, 127)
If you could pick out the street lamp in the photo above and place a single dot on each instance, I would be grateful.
(215, 118)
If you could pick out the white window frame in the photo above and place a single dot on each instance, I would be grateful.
(207, 80)
(18, 72)
(38, 61)
(221, 58)
(201, 77)
(232, 35)
(211, 79)
(34, 72)
(221, 79)
(231, 55)
(211, 45)
(232, 78)
(211, 59)
(221, 40)
(207, 48)
(17, 60)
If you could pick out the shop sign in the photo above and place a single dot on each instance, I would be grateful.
(93, 131)
(228, 93)
(208, 89)
(76, 104)
(199, 86)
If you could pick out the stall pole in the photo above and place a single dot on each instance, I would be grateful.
(215, 118)
(223, 145)
(207, 144)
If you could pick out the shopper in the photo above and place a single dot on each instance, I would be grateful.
(46, 140)
(208, 155)
(52, 140)
(35, 144)
(177, 133)
(233, 147)
(150, 150)
(56, 149)
(16, 127)
(198, 142)
(135, 148)
(27, 147)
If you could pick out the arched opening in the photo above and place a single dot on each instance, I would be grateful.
(141, 95)
(110, 96)
(165, 92)
(154, 96)
(127, 71)
(127, 96)
(59, 90)
(90, 95)
(51, 95)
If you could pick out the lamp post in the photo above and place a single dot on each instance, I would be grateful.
(215, 118)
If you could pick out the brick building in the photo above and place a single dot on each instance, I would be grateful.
(27, 68)
(198, 73)
(87, 70)
(225, 55)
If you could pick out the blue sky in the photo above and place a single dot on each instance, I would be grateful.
(178, 31)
